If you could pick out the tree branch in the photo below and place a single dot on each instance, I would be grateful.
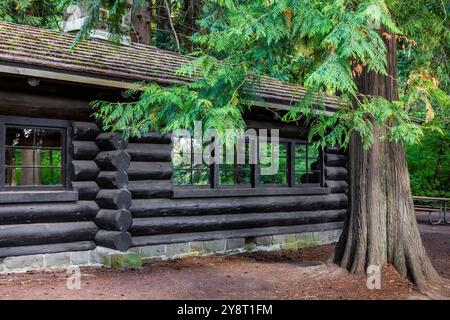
(171, 25)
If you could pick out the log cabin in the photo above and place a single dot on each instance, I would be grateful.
(67, 186)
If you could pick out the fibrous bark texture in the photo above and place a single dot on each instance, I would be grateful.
(381, 226)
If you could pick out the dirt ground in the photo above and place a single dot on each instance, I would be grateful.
(302, 274)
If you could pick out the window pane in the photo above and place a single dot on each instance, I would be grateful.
(19, 137)
(200, 177)
(181, 177)
(305, 161)
(14, 156)
(300, 163)
(48, 158)
(48, 176)
(313, 158)
(34, 157)
(281, 176)
(19, 177)
(48, 138)
(239, 172)
(185, 172)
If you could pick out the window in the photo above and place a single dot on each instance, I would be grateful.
(185, 172)
(298, 166)
(281, 176)
(306, 164)
(239, 173)
(33, 154)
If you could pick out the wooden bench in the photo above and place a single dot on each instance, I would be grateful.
(442, 210)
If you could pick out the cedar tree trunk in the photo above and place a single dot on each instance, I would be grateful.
(381, 226)
(141, 20)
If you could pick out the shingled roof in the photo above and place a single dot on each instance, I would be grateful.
(47, 50)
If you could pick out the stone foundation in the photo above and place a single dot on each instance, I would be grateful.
(134, 257)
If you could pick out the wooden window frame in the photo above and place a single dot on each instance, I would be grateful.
(38, 123)
(214, 189)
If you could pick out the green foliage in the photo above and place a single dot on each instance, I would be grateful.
(40, 13)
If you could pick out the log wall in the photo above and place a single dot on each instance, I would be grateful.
(30, 228)
(159, 217)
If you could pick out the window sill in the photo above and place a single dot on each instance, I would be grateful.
(246, 192)
(37, 196)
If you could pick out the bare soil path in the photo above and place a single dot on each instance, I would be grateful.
(301, 274)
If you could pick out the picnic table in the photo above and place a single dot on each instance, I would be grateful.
(441, 209)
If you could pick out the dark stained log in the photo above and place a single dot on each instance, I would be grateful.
(149, 170)
(146, 189)
(116, 220)
(117, 240)
(286, 130)
(153, 137)
(149, 152)
(84, 170)
(112, 179)
(230, 234)
(87, 190)
(335, 160)
(84, 150)
(336, 173)
(334, 150)
(337, 186)
(48, 212)
(33, 196)
(24, 104)
(114, 199)
(85, 131)
(234, 205)
(151, 226)
(111, 141)
(116, 160)
(180, 192)
(47, 248)
(43, 233)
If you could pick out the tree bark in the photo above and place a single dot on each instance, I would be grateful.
(381, 225)
(141, 20)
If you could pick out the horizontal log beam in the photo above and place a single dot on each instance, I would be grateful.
(146, 189)
(153, 137)
(86, 131)
(150, 170)
(336, 173)
(232, 205)
(334, 150)
(84, 170)
(111, 141)
(48, 212)
(335, 160)
(117, 240)
(149, 152)
(84, 150)
(112, 179)
(87, 190)
(114, 199)
(115, 220)
(152, 226)
(46, 233)
(337, 186)
(47, 248)
(115, 160)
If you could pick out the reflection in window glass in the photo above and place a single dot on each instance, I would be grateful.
(237, 173)
(33, 157)
(185, 172)
(306, 158)
(281, 177)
